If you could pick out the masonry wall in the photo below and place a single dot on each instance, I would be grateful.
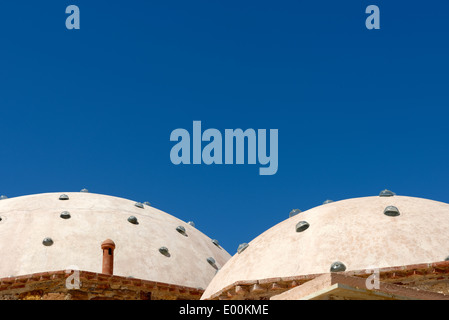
(92, 286)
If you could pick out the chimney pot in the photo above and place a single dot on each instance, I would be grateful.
(108, 247)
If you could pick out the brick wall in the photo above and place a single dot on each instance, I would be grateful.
(92, 286)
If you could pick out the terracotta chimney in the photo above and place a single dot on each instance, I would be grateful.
(108, 247)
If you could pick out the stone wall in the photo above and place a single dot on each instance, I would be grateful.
(92, 286)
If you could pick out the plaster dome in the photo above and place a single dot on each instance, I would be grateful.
(60, 231)
(355, 234)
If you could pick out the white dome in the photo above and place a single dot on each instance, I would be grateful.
(89, 219)
(355, 233)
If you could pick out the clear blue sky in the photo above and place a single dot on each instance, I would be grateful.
(357, 110)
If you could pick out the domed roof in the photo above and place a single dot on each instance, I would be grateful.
(354, 234)
(56, 231)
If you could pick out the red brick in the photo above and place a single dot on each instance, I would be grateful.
(88, 275)
(17, 286)
(8, 281)
(136, 282)
(44, 276)
(35, 277)
(102, 286)
(23, 279)
(162, 285)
